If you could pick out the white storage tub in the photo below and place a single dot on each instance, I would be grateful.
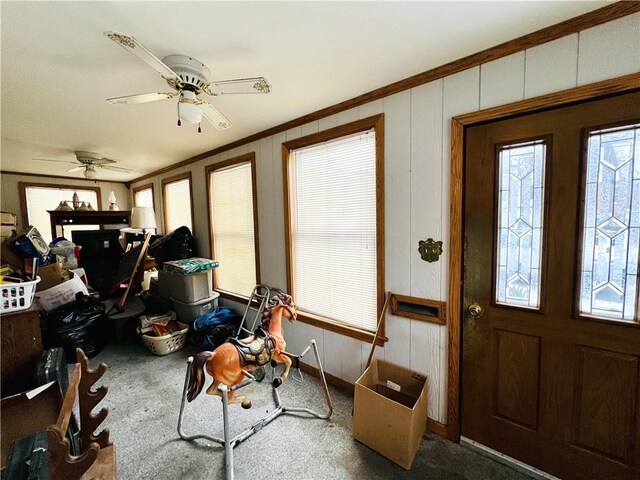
(189, 288)
(189, 311)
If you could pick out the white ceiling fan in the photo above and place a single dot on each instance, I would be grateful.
(89, 161)
(188, 78)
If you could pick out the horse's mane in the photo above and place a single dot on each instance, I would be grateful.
(280, 298)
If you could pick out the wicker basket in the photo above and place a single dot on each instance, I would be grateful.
(167, 343)
(17, 296)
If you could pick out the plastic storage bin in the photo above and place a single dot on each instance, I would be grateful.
(17, 296)
(185, 288)
(189, 311)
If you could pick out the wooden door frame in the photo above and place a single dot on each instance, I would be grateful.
(459, 124)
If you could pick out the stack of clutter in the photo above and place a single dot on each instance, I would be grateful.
(188, 284)
(70, 317)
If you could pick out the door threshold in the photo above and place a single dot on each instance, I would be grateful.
(506, 460)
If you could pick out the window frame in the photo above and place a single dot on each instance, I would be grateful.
(582, 192)
(249, 158)
(547, 141)
(168, 181)
(139, 188)
(376, 123)
(22, 189)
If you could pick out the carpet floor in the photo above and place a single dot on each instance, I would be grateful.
(144, 399)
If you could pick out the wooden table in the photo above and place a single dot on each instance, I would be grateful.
(60, 218)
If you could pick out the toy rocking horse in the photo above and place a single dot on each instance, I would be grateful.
(235, 359)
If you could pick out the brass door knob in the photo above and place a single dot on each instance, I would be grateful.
(475, 310)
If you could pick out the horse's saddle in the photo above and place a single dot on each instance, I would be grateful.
(258, 351)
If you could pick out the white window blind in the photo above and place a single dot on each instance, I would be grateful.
(41, 199)
(332, 196)
(143, 198)
(233, 228)
(177, 196)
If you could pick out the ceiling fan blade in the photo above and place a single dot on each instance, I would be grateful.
(140, 98)
(115, 169)
(132, 45)
(76, 169)
(52, 160)
(211, 113)
(102, 161)
(240, 85)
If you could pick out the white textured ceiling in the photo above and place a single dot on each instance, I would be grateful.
(58, 67)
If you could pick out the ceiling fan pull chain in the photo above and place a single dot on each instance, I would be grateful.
(179, 122)
(199, 129)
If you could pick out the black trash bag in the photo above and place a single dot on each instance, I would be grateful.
(212, 329)
(81, 324)
(154, 303)
(176, 245)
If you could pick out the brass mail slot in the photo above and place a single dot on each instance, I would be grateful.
(423, 309)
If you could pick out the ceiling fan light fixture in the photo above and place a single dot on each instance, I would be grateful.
(90, 172)
(188, 111)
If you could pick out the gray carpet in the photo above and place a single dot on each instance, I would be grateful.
(144, 402)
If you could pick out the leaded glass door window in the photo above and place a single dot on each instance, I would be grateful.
(521, 171)
(611, 223)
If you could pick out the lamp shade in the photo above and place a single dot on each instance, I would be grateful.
(90, 172)
(143, 217)
(189, 111)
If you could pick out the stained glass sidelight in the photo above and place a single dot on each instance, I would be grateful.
(609, 275)
(520, 219)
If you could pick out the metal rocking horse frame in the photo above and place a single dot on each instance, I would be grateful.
(259, 296)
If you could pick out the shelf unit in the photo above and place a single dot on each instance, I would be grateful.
(60, 218)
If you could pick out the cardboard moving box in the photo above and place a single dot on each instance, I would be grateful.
(390, 411)
(27, 413)
(50, 275)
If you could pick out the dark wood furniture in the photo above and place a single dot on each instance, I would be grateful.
(21, 348)
(98, 457)
(60, 218)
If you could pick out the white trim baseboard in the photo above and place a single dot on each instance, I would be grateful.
(506, 460)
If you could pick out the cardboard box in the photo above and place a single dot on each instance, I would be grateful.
(27, 413)
(7, 224)
(7, 218)
(390, 411)
(50, 275)
(188, 266)
(62, 294)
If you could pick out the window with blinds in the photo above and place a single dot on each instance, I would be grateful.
(40, 199)
(333, 234)
(232, 210)
(143, 196)
(177, 203)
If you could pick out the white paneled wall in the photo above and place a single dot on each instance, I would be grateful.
(417, 170)
(551, 67)
(502, 81)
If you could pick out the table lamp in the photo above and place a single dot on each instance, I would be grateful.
(112, 202)
(143, 218)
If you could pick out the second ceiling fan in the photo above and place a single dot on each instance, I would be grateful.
(189, 78)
